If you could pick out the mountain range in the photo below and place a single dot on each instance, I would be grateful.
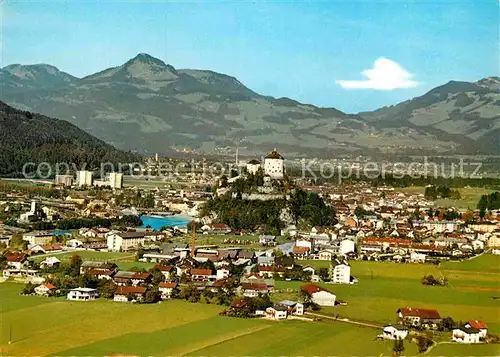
(149, 106)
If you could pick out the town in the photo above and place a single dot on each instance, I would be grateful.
(257, 243)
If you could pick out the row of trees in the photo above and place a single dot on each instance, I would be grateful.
(489, 202)
(441, 191)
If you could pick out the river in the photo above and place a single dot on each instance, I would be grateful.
(156, 222)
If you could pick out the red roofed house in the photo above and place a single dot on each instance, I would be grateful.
(300, 252)
(47, 248)
(319, 295)
(428, 318)
(254, 289)
(220, 228)
(480, 325)
(166, 289)
(45, 289)
(123, 293)
(16, 260)
(239, 304)
(166, 270)
(201, 275)
(141, 278)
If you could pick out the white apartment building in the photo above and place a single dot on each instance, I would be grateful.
(122, 242)
(84, 178)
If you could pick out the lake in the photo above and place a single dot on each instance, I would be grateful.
(169, 221)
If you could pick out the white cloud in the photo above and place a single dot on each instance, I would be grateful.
(385, 75)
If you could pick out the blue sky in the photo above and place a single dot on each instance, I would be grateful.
(310, 51)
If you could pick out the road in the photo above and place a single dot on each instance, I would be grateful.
(366, 324)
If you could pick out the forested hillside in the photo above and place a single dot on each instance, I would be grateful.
(27, 137)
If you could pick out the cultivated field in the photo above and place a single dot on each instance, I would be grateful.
(45, 326)
(470, 196)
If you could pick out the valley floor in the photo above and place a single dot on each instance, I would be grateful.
(53, 326)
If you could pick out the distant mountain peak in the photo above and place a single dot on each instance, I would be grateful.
(38, 73)
(146, 58)
(492, 83)
(142, 67)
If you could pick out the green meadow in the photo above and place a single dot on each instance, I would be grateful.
(45, 326)
(469, 196)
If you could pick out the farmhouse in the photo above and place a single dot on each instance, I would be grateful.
(427, 318)
(166, 289)
(46, 248)
(123, 293)
(480, 325)
(319, 295)
(92, 265)
(464, 334)
(254, 289)
(16, 260)
(201, 274)
(293, 307)
(82, 294)
(394, 332)
(166, 270)
(50, 262)
(45, 289)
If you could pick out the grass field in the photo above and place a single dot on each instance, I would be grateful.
(87, 255)
(45, 326)
(385, 287)
(62, 328)
(470, 196)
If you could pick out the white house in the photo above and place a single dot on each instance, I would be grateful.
(276, 313)
(417, 257)
(319, 295)
(82, 294)
(222, 273)
(50, 262)
(325, 254)
(396, 332)
(294, 307)
(465, 335)
(346, 246)
(274, 165)
(74, 243)
(302, 242)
